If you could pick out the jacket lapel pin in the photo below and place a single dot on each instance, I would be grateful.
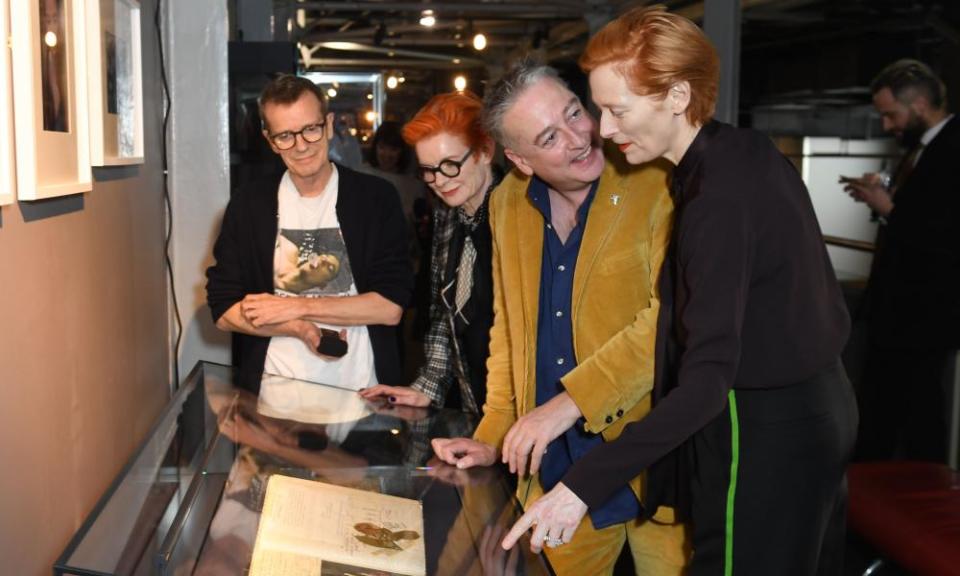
(614, 199)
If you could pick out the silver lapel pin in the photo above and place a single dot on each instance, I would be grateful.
(615, 199)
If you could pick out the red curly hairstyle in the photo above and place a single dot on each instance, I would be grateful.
(653, 50)
(456, 113)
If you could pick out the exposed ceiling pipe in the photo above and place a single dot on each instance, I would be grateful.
(357, 47)
(555, 9)
(388, 63)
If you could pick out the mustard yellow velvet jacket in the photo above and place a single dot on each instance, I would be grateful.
(614, 307)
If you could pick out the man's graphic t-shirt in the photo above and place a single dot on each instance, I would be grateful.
(310, 260)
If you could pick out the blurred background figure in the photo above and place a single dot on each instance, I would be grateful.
(344, 148)
(912, 303)
(389, 158)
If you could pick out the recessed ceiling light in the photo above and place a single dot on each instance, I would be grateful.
(479, 41)
(428, 18)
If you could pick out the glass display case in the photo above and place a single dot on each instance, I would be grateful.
(189, 500)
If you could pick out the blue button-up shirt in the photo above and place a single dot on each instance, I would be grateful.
(556, 357)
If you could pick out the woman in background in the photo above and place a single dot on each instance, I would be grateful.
(389, 158)
(454, 155)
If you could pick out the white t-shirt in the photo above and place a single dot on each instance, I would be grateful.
(310, 260)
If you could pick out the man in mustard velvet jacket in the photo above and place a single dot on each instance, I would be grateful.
(577, 248)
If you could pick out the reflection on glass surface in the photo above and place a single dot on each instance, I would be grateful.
(301, 401)
(217, 445)
(53, 65)
(120, 75)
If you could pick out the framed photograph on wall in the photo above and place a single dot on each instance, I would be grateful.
(115, 82)
(8, 181)
(50, 98)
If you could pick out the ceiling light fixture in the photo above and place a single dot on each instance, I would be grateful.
(479, 41)
(428, 18)
(332, 92)
(392, 82)
(460, 83)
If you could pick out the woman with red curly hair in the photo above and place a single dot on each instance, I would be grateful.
(754, 419)
(455, 160)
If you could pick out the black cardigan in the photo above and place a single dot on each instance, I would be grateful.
(374, 230)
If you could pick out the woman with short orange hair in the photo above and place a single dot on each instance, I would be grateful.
(455, 160)
(754, 419)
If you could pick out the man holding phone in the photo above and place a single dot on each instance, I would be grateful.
(312, 271)
(912, 301)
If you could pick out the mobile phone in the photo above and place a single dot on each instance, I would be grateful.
(331, 344)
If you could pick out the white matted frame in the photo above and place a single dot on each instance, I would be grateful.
(8, 181)
(115, 82)
(50, 98)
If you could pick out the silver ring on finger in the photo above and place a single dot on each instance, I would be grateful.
(552, 542)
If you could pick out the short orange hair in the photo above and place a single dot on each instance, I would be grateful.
(653, 50)
(456, 113)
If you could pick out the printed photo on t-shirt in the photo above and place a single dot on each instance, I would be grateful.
(312, 263)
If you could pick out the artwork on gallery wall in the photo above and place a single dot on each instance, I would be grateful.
(115, 82)
(50, 98)
(8, 182)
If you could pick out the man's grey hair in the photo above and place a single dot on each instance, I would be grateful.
(501, 98)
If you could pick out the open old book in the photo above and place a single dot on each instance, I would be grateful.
(311, 528)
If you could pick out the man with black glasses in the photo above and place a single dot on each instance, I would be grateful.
(318, 249)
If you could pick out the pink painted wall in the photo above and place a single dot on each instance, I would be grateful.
(83, 343)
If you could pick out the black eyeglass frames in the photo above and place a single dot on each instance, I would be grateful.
(449, 168)
(310, 133)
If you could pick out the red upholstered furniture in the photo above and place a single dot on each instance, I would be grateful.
(910, 512)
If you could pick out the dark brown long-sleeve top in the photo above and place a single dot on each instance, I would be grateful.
(749, 299)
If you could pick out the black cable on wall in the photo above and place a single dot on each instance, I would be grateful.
(166, 197)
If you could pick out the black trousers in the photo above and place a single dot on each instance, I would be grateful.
(768, 484)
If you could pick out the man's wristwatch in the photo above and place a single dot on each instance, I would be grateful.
(885, 180)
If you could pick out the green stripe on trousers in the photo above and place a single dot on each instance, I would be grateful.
(732, 488)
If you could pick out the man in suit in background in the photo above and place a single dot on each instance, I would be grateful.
(912, 302)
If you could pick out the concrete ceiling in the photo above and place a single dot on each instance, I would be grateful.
(351, 33)
(786, 45)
